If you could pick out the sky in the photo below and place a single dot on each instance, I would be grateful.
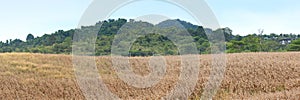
(20, 17)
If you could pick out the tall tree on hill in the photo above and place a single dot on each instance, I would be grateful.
(29, 37)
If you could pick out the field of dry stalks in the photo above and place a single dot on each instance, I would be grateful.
(248, 76)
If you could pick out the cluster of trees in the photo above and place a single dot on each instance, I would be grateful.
(294, 46)
(60, 42)
(264, 43)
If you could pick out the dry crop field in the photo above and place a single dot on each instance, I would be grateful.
(248, 76)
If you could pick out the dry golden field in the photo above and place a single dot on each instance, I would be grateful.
(248, 76)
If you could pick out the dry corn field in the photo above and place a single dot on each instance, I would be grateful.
(248, 76)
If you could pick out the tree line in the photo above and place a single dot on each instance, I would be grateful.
(60, 42)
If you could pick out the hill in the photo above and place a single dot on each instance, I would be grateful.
(60, 42)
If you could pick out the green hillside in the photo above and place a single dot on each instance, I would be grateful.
(60, 42)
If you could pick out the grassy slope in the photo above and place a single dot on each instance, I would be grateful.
(248, 75)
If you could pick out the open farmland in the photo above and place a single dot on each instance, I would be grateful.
(248, 76)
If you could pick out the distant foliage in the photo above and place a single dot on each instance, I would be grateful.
(294, 46)
(29, 37)
(60, 42)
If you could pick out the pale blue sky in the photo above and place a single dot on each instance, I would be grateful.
(20, 17)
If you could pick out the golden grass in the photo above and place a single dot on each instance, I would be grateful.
(248, 76)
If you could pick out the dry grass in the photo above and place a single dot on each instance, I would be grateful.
(248, 76)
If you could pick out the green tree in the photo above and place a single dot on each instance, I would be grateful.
(29, 37)
(235, 46)
(294, 46)
(252, 43)
(271, 46)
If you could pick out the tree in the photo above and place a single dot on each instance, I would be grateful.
(294, 46)
(235, 46)
(270, 46)
(252, 43)
(29, 37)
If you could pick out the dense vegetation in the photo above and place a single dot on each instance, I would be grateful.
(60, 42)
